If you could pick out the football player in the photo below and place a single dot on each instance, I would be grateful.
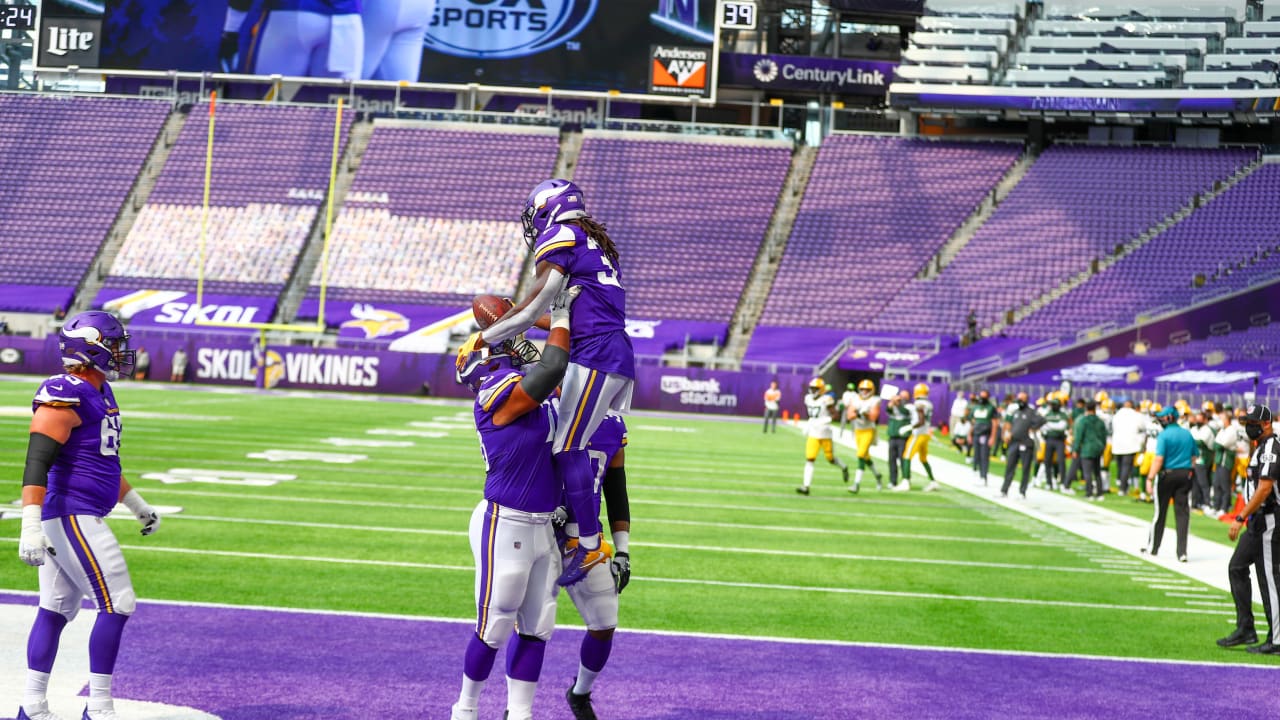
(820, 406)
(293, 38)
(596, 597)
(570, 248)
(72, 479)
(921, 431)
(845, 407)
(393, 33)
(512, 538)
(863, 410)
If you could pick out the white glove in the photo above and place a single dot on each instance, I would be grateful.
(33, 542)
(905, 430)
(560, 307)
(145, 514)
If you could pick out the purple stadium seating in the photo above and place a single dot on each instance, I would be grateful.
(434, 215)
(270, 175)
(688, 218)
(67, 164)
(1076, 203)
(1231, 241)
(876, 209)
(1254, 343)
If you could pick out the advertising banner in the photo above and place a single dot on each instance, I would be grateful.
(716, 391)
(1061, 99)
(178, 308)
(810, 74)
(36, 298)
(565, 44)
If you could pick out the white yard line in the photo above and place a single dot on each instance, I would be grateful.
(1207, 561)
(687, 581)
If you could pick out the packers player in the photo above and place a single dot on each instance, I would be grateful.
(820, 406)
(864, 412)
(921, 430)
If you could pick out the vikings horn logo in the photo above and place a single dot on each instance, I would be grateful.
(376, 323)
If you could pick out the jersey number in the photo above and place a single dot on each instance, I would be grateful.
(600, 462)
(110, 436)
(608, 276)
(815, 411)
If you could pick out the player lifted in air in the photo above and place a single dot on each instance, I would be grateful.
(71, 481)
(821, 410)
(512, 538)
(596, 597)
(921, 431)
(571, 248)
(864, 412)
(294, 38)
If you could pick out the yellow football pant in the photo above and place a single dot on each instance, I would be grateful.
(862, 439)
(812, 445)
(918, 447)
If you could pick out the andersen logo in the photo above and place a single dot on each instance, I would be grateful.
(495, 29)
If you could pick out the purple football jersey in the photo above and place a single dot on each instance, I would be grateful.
(85, 477)
(604, 445)
(598, 329)
(517, 456)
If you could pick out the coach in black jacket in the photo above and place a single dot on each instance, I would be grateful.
(1262, 514)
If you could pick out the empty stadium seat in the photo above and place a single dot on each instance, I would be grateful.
(1112, 61)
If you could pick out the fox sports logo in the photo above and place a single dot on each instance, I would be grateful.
(765, 70)
(496, 29)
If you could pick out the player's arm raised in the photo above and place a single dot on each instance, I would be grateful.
(546, 286)
(51, 427)
(538, 384)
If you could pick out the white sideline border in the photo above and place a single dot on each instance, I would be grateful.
(1206, 560)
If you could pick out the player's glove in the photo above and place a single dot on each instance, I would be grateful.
(905, 430)
(621, 568)
(560, 516)
(145, 514)
(560, 306)
(33, 543)
(473, 343)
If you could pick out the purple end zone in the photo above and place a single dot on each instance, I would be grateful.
(268, 665)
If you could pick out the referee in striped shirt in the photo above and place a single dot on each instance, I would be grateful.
(1259, 545)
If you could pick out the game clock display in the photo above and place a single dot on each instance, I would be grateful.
(17, 17)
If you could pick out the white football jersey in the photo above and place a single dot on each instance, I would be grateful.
(819, 409)
(921, 409)
(864, 406)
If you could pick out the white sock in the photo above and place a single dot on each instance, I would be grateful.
(469, 698)
(99, 692)
(520, 697)
(571, 529)
(808, 473)
(590, 543)
(586, 679)
(857, 477)
(37, 688)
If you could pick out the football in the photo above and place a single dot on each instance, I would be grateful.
(488, 308)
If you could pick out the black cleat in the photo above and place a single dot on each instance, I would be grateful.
(802, 490)
(1266, 648)
(844, 473)
(1238, 637)
(580, 705)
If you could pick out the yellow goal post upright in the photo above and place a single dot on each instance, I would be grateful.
(263, 327)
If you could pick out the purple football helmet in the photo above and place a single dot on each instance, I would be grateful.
(485, 361)
(97, 339)
(551, 202)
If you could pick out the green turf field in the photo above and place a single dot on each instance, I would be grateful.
(721, 543)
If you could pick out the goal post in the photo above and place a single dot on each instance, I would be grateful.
(319, 325)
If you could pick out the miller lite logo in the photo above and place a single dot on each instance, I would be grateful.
(70, 41)
(62, 40)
